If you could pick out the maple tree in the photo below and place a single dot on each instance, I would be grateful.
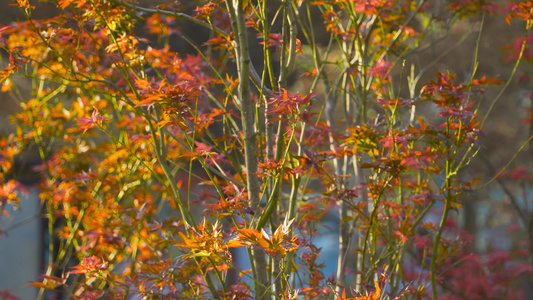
(159, 166)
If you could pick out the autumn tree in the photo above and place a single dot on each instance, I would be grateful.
(284, 115)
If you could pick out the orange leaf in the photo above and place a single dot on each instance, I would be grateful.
(236, 244)
(149, 100)
(39, 285)
(7, 85)
(142, 83)
(64, 3)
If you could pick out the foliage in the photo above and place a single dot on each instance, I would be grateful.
(158, 165)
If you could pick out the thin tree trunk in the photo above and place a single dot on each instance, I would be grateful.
(236, 12)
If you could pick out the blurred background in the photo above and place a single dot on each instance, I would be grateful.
(499, 216)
